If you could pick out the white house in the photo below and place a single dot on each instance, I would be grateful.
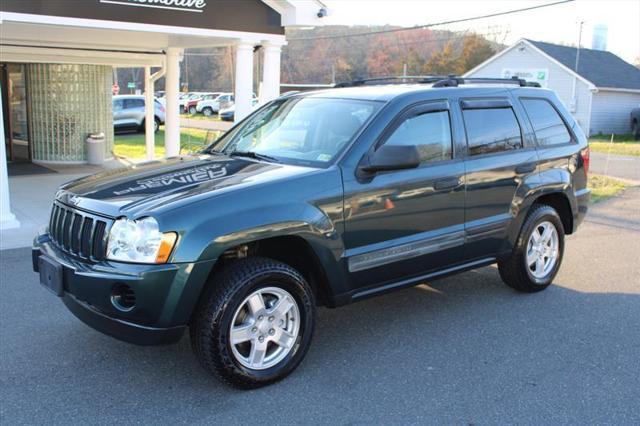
(600, 94)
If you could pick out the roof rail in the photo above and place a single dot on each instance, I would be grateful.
(453, 81)
(437, 80)
(420, 79)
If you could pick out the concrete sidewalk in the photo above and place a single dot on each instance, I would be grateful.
(222, 126)
(32, 196)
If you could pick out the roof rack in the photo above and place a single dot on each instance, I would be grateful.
(419, 79)
(453, 81)
(437, 81)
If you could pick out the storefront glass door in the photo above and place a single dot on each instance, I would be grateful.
(14, 99)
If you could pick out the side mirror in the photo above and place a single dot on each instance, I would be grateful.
(391, 157)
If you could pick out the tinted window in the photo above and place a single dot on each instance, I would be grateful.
(430, 132)
(310, 131)
(117, 104)
(491, 130)
(133, 103)
(547, 124)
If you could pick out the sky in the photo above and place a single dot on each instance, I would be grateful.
(555, 24)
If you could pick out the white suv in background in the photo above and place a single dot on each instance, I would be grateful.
(211, 106)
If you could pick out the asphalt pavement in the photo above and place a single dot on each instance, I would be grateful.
(462, 350)
(620, 166)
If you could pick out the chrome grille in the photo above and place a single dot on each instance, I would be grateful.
(79, 233)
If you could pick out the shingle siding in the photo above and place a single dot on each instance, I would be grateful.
(559, 79)
(610, 111)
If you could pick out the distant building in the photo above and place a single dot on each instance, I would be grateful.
(600, 95)
(599, 39)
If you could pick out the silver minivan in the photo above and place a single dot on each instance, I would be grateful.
(128, 113)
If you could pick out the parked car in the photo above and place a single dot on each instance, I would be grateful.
(635, 123)
(186, 97)
(228, 113)
(129, 113)
(212, 106)
(320, 198)
(190, 105)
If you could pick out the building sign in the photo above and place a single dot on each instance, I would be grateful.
(538, 75)
(253, 16)
(181, 5)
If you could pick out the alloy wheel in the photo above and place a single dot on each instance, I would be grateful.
(264, 328)
(542, 250)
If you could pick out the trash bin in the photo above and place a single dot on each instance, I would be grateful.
(95, 148)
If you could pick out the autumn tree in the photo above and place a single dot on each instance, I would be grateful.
(475, 50)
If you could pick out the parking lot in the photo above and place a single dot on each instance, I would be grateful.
(466, 349)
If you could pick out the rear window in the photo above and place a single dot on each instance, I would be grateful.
(491, 130)
(547, 124)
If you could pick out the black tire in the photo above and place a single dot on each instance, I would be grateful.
(156, 125)
(207, 111)
(192, 110)
(635, 130)
(514, 270)
(210, 325)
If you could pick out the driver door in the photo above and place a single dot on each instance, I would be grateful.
(405, 223)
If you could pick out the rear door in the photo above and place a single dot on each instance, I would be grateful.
(133, 111)
(498, 159)
(405, 223)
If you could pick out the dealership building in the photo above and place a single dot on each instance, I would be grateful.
(57, 59)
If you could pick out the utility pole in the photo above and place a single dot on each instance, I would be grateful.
(574, 95)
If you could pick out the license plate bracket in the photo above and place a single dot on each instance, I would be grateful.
(51, 275)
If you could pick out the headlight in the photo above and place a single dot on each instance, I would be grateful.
(139, 241)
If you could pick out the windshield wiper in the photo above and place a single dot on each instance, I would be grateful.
(251, 154)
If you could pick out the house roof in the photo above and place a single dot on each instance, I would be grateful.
(602, 68)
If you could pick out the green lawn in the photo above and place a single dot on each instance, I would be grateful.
(603, 187)
(132, 145)
(622, 144)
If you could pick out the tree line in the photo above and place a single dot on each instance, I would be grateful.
(335, 53)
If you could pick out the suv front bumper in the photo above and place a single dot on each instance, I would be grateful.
(164, 295)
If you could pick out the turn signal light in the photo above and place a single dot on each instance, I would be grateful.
(166, 246)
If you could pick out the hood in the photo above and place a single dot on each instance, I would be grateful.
(147, 186)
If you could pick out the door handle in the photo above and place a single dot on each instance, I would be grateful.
(526, 168)
(448, 183)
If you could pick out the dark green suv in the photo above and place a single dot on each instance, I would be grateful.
(321, 198)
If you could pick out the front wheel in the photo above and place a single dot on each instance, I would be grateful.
(254, 324)
(207, 111)
(192, 110)
(536, 258)
(635, 130)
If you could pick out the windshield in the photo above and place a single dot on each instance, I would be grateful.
(305, 131)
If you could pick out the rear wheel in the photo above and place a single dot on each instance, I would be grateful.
(192, 110)
(207, 111)
(537, 256)
(254, 325)
(635, 130)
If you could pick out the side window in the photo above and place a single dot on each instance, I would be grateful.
(547, 124)
(133, 103)
(117, 105)
(430, 132)
(491, 130)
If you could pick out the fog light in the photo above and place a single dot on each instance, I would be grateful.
(123, 298)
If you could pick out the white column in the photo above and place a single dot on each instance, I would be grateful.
(271, 72)
(149, 114)
(7, 219)
(244, 79)
(172, 91)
